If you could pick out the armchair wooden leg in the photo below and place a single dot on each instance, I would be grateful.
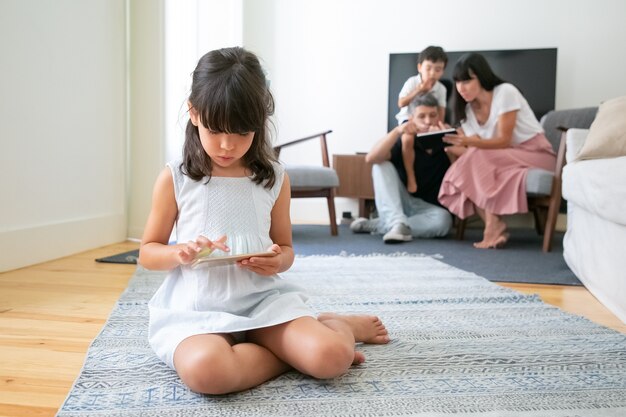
(460, 228)
(331, 213)
(553, 212)
(539, 214)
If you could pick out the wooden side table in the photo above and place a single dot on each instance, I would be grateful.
(355, 181)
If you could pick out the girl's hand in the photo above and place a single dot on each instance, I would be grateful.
(187, 252)
(264, 266)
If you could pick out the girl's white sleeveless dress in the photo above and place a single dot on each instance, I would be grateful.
(226, 298)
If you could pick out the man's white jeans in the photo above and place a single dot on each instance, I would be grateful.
(395, 205)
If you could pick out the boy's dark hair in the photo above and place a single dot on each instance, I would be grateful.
(433, 54)
(230, 94)
(472, 64)
(427, 100)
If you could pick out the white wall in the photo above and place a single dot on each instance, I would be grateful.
(328, 59)
(62, 128)
(65, 80)
(146, 84)
(167, 37)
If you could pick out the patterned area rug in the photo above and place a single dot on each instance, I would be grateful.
(460, 345)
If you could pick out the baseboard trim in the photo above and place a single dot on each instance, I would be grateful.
(32, 245)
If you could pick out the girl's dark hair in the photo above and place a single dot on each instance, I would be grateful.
(229, 93)
(468, 65)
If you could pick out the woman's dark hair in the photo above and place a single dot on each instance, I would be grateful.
(468, 65)
(229, 93)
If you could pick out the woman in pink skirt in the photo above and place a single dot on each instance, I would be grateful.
(499, 139)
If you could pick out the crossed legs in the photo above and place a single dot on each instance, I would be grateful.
(322, 348)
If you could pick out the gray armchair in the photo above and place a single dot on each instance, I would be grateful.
(314, 181)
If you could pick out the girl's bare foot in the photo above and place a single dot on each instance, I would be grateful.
(366, 329)
(359, 358)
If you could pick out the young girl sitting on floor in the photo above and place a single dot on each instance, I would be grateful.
(227, 328)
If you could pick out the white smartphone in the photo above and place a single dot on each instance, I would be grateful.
(228, 259)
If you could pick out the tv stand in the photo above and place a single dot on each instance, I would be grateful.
(355, 181)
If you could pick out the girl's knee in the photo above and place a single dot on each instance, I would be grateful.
(207, 373)
(329, 359)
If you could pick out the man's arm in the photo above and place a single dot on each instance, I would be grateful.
(381, 151)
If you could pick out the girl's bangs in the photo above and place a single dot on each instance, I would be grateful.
(231, 113)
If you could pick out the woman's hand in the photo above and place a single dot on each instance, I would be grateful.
(455, 151)
(459, 143)
(457, 140)
(265, 266)
(187, 252)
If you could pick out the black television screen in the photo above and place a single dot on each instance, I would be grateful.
(533, 71)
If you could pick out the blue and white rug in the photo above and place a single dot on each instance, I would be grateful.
(460, 346)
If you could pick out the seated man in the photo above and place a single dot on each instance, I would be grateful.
(403, 216)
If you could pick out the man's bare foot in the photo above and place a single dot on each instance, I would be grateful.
(366, 329)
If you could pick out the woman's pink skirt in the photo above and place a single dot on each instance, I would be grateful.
(494, 179)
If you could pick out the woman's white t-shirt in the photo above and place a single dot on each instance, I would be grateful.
(506, 98)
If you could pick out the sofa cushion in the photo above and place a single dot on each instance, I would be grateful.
(607, 134)
(575, 141)
(598, 186)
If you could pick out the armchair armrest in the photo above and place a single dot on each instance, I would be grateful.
(321, 136)
(575, 139)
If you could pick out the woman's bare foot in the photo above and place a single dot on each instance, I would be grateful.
(497, 243)
(366, 329)
(494, 236)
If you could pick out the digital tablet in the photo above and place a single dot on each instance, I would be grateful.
(433, 140)
(228, 259)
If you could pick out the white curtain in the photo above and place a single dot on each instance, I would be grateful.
(192, 28)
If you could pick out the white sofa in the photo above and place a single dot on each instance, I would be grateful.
(595, 241)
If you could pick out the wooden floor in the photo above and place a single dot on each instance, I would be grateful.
(50, 313)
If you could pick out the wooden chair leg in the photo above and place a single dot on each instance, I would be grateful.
(460, 228)
(331, 213)
(539, 214)
(553, 212)
(555, 198)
